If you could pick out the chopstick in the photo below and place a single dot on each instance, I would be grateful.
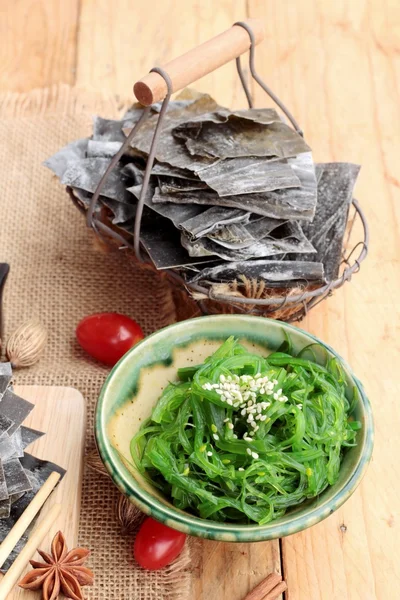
(14, 535)
(269, 589)
(34, 541)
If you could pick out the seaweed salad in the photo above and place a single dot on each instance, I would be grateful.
(242, 438)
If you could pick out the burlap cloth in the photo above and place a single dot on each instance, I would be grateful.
(58, 274)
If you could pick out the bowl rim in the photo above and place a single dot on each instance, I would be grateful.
(188, 523)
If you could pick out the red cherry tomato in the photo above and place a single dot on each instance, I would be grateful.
(108, 336)
(157, 545)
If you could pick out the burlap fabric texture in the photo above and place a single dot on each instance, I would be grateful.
(58, 274)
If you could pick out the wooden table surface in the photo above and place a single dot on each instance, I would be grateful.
(337, 65)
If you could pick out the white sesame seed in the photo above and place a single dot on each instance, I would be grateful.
(222, 378)
(256, 428)
(275, 381)
(235, 436)
(230, 425)
(226, 420)
(257, 376)
(250, 418)
(254, 455)
(229, 401)
(243, 412)
(209, 453)
(258, 417)
(247, 438)
(262, 390)
(220, 392)
(252, 433)
(248, 451)
(240, 469)
(253, 424)
(299, 405)
(263, 417)
(215, 436)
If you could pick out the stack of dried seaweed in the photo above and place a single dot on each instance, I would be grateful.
(231, 193)
(21, 475)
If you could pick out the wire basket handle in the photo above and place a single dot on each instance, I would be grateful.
(199, 61)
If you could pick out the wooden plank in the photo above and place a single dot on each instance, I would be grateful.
(123, 42)
(38, 43)
(60, 412)
(337, 69)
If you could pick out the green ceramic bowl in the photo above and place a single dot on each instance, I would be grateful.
(135, 384)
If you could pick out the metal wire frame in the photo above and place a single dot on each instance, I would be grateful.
(307, 299)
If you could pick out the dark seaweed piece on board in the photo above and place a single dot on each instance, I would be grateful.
(29, 436)
(235, 136)
(134, 172)
(288, 237)
(5, 425)
(15, 476)
(213, 219)
(5, 376)
(14, 408)
(162, 242)
(64, 158)
(87, 173)
(335, 190)
(37, 471)
(299, 204)
(3, 486)
(122, 211)
(276, 273)
(5, 507)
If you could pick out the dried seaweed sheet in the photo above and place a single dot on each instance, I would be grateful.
(11, 446)
(212, 219)
(5, 507)
(29, 435)
(15, 476)
(87, 173)
(5, 376)
(249, 175)
(290, 204)
(102, 149)
(161, 241)
(110, 130)
(226, 134)
(37, 471)
(133, 171)
(170, 171)
(169, 149)
(335, 190)
(5, 425)
(14, 408)
(3, 486)
(64, 158)
(288, 237)
(274, 272)
(172, 185)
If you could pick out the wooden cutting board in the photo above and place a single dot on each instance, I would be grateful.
(60, 413)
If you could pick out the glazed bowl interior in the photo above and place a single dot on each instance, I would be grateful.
(137, 381)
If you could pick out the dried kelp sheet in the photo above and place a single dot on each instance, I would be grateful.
(3, 486)
(249, 175)
(5, 376)
(287, 238)
(229, 134)
(170, 171)
(87, 173)
(64, 158)
(169, 149)
(15, 476)
(29, 435)
(14, 408)
(110, 130)
(172, 185)
(276, 273)
(102, 149)
(289, 204)
(161, 241)
(37, 472)
(335, 191)
(212, 219)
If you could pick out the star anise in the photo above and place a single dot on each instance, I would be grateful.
(62, 572)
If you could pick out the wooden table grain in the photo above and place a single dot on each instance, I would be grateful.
(337, 65)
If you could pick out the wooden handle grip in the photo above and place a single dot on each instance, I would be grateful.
(198, 62)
